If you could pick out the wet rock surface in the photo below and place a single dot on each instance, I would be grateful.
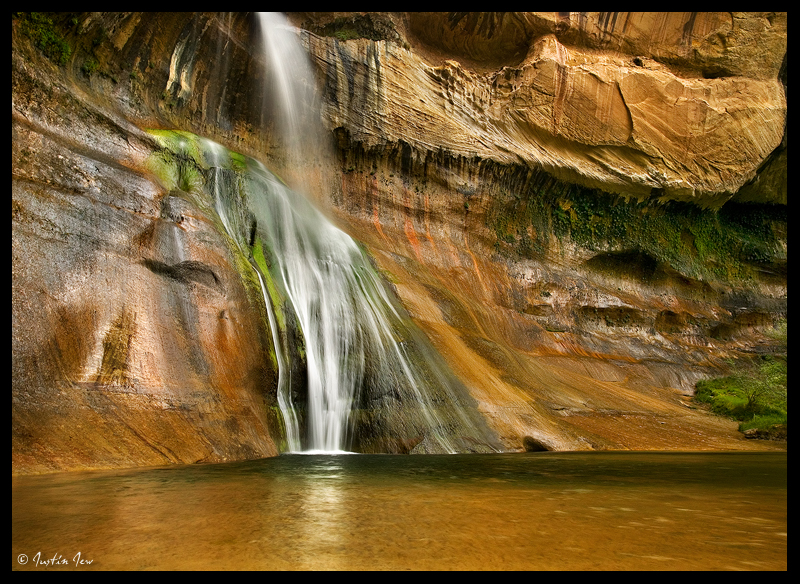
(466, 161)
(135, 340)
(776, 432)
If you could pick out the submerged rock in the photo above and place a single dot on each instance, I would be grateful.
(776, 432)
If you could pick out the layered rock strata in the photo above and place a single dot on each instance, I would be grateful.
(640, 113)
(136, 339)
(501, 168)
(493, 164)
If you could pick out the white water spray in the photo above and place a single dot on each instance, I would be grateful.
(356, 346)
(341, 308)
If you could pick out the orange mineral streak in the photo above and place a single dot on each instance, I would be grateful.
(571, 391)
(475, 266)
(375, 203)
(408, 225)
(428, 225)
(408, 229)
(376, 221)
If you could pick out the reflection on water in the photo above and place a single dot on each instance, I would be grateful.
(604, 510)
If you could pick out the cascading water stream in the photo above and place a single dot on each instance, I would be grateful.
(341, 309)
(316, 271)
(366, 365)
(218, 158)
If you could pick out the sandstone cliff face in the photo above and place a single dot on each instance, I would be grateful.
(477, 156)
(481, 155)
(654, 106)
(135, 339)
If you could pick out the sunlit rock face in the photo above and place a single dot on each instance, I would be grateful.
(681, 106)
(493, 165)
(135, 338)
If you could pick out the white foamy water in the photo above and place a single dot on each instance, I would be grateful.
(328, 310)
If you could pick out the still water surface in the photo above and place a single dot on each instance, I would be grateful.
(542, 511)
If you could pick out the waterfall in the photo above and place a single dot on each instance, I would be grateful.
(370, 376)
(291, 95)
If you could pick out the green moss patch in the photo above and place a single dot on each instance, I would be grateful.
(45, 35)
(371, 26)
(736, 243)
(755, 393)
